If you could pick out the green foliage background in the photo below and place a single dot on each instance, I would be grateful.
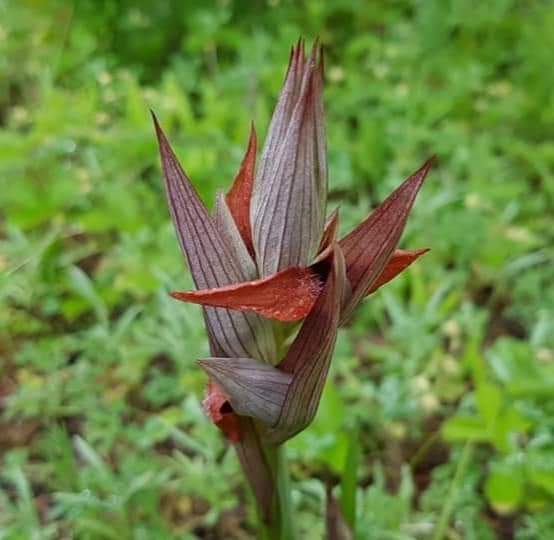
(446, 377)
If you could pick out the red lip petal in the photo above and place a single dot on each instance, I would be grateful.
(399, 261)
(240, 194)
(285, 296)
(215, 404)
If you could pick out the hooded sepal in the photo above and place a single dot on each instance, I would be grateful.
(368, 248)
(309, 356)
(211, 263)
(288, 205)
(253, 388)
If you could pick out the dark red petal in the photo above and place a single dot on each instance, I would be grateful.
(369, 246)
(217, 408)
(286, 296)
(240, 194)
(399, 261)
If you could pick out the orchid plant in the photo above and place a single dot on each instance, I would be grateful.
(276, 283)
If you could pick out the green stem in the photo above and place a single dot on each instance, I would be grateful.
(284, 494)
(281, 525)
(278, 523)
(448, 507)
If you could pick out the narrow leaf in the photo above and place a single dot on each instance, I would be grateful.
(368, 248)
(286, 296)
(253, 388)
(240, 194)
(211, 263)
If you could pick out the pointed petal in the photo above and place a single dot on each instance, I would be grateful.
(369, 246)
(288, 206)
(230, 233)
(215, 405)
(240, 194)
(330, 231)
(211, 263)
(399, 261)
(286, 296)
(309, 356)
(253, 388)
(285, 105)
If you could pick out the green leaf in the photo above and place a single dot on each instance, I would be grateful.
(504, 488)
(489, 401)
(465, 428)
(349, 482)
(84, 287)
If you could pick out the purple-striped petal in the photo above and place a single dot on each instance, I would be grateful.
(368, 248)
(288, 205)
(211, 264)
(253, 388)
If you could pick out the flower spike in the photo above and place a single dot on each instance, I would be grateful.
(267, 252)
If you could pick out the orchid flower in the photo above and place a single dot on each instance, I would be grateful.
(268, 257)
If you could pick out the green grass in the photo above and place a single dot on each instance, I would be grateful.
(102, 435)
